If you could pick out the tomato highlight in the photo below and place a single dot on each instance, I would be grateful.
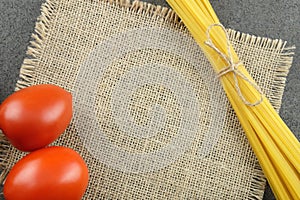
(51, 173)
(34, 117)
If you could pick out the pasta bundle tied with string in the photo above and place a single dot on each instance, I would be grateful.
(276, 147)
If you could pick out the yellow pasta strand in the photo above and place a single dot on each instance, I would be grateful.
(276, 147)
(276, 183)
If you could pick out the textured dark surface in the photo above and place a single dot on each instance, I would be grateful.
(267, 18)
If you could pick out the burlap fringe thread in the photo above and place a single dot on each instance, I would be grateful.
(43, 23)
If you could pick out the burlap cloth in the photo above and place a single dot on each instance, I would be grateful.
(150, 117)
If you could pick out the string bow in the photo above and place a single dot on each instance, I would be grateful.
(232, 67)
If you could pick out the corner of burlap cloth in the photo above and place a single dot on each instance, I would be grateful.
(150, 118)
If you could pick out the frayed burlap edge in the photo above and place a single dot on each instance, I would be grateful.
(285, 61)
(43, 24)
(27, 70)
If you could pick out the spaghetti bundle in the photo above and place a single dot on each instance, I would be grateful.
(276, 147)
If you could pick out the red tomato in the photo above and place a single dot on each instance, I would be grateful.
(34, 117)
(52, 173)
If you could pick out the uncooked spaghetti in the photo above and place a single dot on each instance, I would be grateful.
(276, 147)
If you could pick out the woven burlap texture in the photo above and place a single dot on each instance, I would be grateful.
(150, 117)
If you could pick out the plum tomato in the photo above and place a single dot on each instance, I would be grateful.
(51, 173)
(34, 117)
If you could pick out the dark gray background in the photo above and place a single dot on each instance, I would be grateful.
(267, 18)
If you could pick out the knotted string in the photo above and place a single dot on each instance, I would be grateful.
(232, 67)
